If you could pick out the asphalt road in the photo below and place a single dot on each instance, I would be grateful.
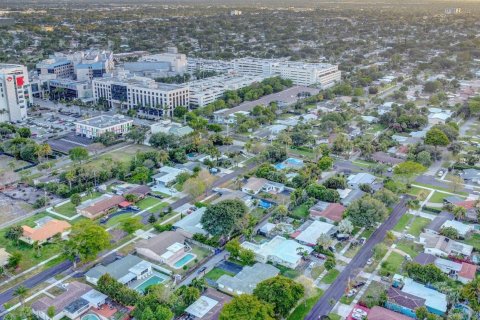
(34, 281)
(437, 183)
(337, 288)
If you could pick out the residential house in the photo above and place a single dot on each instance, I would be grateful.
(379, 313)
(425, 258)
(461, 271)
(256, 185)
(347, 196)
(471, 175)
(403, 302)
(385, 158)
(311, 230)
(437, 223)
(103, 205)
(355, 180)
(467, 273)
(436, 302)
(279, 250)
(43, 232)
(462, 228)
(191, 224)
(76, 300)
(125, 270)
(167, 247)
(441, 246)
(208, 306)
(140, 191)
(228, 194)
(438, 115)
(331, 212)
(246, 280)
(167, 176)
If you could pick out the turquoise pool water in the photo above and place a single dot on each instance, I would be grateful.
(186, 259)
(150, 281)
(90, 316)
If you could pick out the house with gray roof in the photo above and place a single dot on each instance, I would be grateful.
(191, 223)
(246, 280)
(355, 180)
(125, 270)
(436, 224)
(471, 175)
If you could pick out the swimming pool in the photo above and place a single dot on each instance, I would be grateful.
(156, 279)
(90, 316)
(184, 260)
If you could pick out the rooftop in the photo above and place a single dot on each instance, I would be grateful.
(46, 231)
(119, 269)
(433, 298)
(379, 313)
(191, 223)
(311, 233)
(247, 279)
(104, 121)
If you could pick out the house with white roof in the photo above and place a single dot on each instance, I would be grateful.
(191, 223)
(441, 246)
(279, 250)
(246, 280)
(438, 115)
(462, 228)
(311, 231)
(167, 175)
(355, 180)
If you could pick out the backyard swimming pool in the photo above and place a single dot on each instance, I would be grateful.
(90, 316)
(184, 260)
(156, 279)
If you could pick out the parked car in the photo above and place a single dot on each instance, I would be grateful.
(202, 269)
(369, 261)
(319, 255)
(351, 293)
(362, 240)
(359, 284)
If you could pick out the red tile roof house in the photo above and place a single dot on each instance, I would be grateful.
(467, 273)
(43, 233)
(379, 313)
(72, 303)
(96, 208)
(331, 212)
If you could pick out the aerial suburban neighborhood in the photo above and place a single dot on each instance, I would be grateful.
(235, 160)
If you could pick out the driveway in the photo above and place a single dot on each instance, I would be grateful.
(337, 288)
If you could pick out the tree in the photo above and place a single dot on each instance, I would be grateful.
(435, 137)
(246, 307)
(78, 154)
(330, 263)
(471, 292)
(456, 183)
(136, 135)
(14, 260)
(449, 232)
(21, 293)
(424, 158)
(234, 248)
(221, 219)
(386, 196)
(130, 224)
(325, 163)
(75, 199)
(324, 241)
(24, 132)
(152, 218)
(14, 233)
(345, 226)
(366, 211)
(425, 273)
(407, 170)
(421, 313)
(459, 212)
(308, 287)
(281, 292)
(51, 312)
(247, 256)
(86, 240)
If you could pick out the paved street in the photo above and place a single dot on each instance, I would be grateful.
(34, 281)
(337, 288)
(437, 183)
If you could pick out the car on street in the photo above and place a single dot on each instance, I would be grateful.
(369, 261)
(202, 269)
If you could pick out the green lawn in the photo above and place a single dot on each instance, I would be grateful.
(330, 276)
(410, 248)
(402, 223)
(68, 209)
(287, 272)
(392, 265)
(304, 308)
(216, 273)
(417, 225)
(438, 197)
(439, 188)
(474, 240)
(420, 193)
(334, 316)
(316, 271)
(147, 202)
(372, 296)
(345, 300)
(30, 258)
(113, 221)
(363, 164)
(367, 233)
(301, 211)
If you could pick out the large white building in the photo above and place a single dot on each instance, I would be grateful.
(203, 92)
(96, 126)
(300, 73)
(14, 92)
(142, 94)
(177, 61)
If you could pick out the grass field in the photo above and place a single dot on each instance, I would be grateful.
(147, 202)
(392, 265)
(417, 225)
(402, 223)
(461, 193)
(68, 209)
(334, 316)
(420, 193)
(304, 308)
(301, 211)
(216, 273)
(330, 276)
(11, 163)
(410, 248)
(474, 240)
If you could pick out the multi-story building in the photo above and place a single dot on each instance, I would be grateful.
(203, 92)
(142, 94)
(70, 89)
(197, 65)
(57, 65)
(96, 126)
(14, 92)
(301, 73)
(177, 62)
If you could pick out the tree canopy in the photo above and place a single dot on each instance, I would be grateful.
(366, 211)
(222, 218)
(247, 307)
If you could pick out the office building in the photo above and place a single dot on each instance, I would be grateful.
(199, 65)
(70, 89)
(301, 73)
(142, 94)
(175, 62)
(14, 92)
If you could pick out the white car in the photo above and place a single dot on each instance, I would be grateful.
(369, 261)
(351, 293)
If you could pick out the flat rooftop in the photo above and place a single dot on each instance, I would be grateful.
(9, 65)
(143, 82)
(103, 121)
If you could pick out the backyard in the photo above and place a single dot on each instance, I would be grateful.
(392, 265)
(68, 209)
(417, 225)
(216, 273)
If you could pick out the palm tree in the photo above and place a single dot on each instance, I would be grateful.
(21, 293)
(162, 157)
(36, 247)
(70, 176)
